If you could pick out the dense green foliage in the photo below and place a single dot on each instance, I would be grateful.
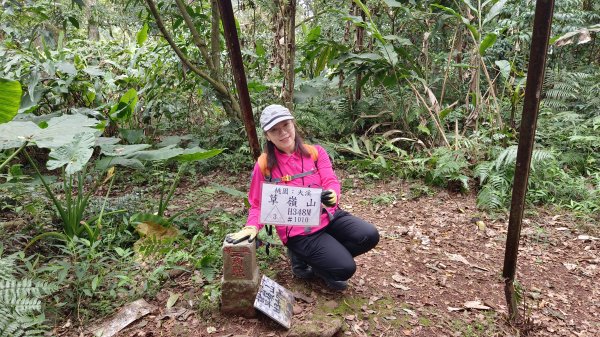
(429, 90)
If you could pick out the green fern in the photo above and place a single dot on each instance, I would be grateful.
(21, 302)
(496, 176)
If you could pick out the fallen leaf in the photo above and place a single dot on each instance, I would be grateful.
(480, 224)
(458, 258)
(451, 309)
(211, 329)
(476, 305)
(303, 297)
(173, 297)
(401, 279)
(410, 312)
(350, 317)
(399, 286)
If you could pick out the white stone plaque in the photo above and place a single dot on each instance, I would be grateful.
(275, 301)
(290, 205)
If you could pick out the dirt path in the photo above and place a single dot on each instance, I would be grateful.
(434, 266)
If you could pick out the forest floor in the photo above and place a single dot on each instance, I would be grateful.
(437, 271)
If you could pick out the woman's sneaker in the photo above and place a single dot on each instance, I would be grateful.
(333, 284)
(300, 269)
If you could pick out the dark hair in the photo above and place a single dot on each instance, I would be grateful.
(298, 148)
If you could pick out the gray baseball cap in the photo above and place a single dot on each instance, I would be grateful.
(272, 115)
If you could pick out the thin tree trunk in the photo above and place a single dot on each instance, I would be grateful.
(284, 47)
(358, 47)
(215, 41)
(93, 33)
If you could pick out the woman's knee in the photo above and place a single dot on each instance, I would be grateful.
(345, 270)
(370, 237)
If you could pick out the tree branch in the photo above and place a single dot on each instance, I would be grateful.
(218, 86)
(195, 35)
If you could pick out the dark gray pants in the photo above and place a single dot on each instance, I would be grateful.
(331, 251)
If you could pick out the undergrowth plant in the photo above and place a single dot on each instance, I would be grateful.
(496, 177)
(21, 312)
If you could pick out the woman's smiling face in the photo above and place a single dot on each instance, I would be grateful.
(283, 135)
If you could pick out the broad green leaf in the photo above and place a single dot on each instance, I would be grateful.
(126, 105)
(314, 34)
(444, 113)
(487, 42)
(95, 282)
(93, 71)
(142, 35)
(173, 140)
(389, 54)
(120, 251)
(118, 150)
(14, 134)
(30, 104)
(423, 128)
(61, 130)
(107, 162)
(66, 67)
(401, 40)
(260, 49)
(10, 99)
(494, 11)
(196, 154)
(323, 59)
(256, 87)
(164, 153)
(149, 218)
(73, 21)
(132, 136)
(504, 67)
(473, 30)
(74, 154)
(369, 56)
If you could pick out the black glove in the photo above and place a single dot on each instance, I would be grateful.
(329, 198)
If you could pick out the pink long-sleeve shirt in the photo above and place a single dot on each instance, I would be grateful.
(290, 165)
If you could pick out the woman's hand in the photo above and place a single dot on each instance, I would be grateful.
(329, 198)
(248, 232)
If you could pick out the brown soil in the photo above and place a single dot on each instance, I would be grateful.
(439, 259)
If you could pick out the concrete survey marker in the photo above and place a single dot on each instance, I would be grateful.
(240, 278)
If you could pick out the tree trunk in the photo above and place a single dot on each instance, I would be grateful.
(284, 47)
(93, 33)
(358, 47)
(215, 41)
